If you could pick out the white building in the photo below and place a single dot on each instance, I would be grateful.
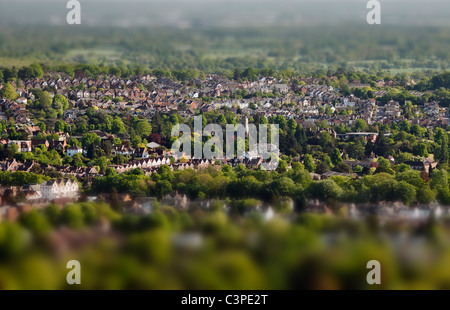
(61, 188)
(122, 150)
(73, 150)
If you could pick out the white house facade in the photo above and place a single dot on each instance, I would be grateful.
(73, 150)
(60, 188)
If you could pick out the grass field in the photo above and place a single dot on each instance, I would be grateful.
(93, 56)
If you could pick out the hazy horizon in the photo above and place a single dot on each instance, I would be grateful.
(223, 13)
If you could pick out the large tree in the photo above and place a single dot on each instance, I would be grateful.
(90, 141)
(309, 163)
(143, 128)
(45, 100)
(9, 92)
(336, 157)
(325, 190)
(117, 126)
(60, 102)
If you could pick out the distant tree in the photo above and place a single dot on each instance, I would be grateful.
(405, 126)
(343, 168)
(9, 92)
(163, 187)
(381, 146)
(173, 119)
(418, 131)
(336, 157)
(143, 128)
(394, 126)
(109, 171)
(358, 169)
(117, 142)
(405, 192)
(322, 167)
(81, 86)
(441, 80)
(42, 126)
(90, 141)
(10, 74)
(345, 89)
(292, 125)
(36, 71)
(359, 126)
(45, 100)
(236, 75)
(423, 150)
(25, 73)
(426, 195)
(309, 163)
(63, 102)
(117, 126)
(60, 125)
(412, 177)
(403, 168)
(284, 187)
(12, 150)
(282, 166)
(439, 179)
(384, 165)
(355, 150)
(444, 151)
(325, 190)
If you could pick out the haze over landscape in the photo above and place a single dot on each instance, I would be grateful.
(220, 13)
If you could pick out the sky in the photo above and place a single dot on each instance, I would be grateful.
(223, 13)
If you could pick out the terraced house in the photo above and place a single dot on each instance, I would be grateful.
(60, 188)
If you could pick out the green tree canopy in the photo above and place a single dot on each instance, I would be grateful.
(9, 92)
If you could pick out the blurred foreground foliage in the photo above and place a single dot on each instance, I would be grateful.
(208, 249)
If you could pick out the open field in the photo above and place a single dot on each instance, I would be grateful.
(222, 49)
